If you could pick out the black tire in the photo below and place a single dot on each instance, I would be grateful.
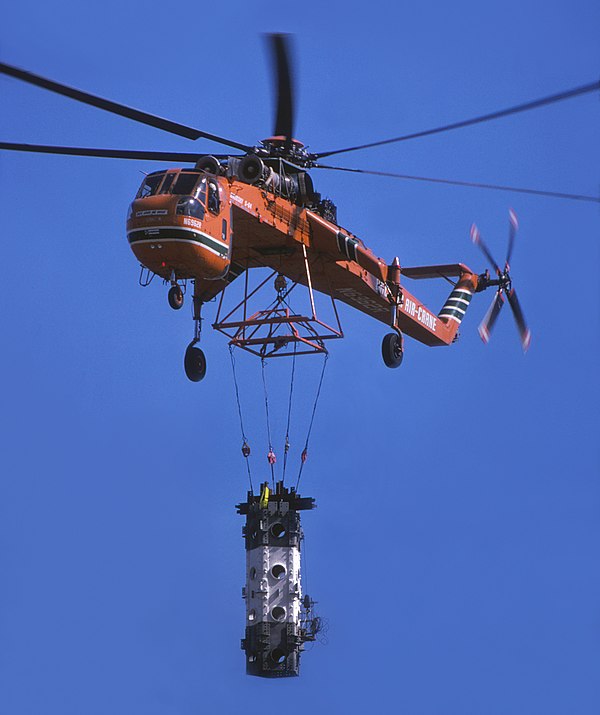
(175, 297)
(194, 363)
(391, 350)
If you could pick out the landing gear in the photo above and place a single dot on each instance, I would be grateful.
(392, 350)
(175, 297)
(194, 363)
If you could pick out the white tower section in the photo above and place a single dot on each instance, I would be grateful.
(275, 610)
(273, 586)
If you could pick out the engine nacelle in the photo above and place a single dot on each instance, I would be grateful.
(252, 170)
(209, 164)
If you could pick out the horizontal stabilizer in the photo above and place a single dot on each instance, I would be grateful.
(450, 270)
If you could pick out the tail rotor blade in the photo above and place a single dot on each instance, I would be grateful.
(478, 241)
(284, 116)
(488, 322)
(524, 331)
(513, 226)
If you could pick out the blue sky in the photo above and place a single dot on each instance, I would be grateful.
(454, 549)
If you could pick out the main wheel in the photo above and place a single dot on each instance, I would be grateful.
(175, 297)
(391, 350)
(194, 363)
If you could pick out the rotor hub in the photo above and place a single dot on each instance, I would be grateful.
(279, 147)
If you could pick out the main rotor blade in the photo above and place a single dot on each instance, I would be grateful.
(524, 331)
(471, 184)
(489, 320)
(116, 108)
(527, 106)
(108, 153)
(478, 241)
(284, 112)
(513, 226)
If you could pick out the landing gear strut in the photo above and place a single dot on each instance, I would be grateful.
(392, 349)
(194, 361)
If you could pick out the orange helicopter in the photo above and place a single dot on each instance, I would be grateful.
(212, 223)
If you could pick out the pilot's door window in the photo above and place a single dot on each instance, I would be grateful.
(214, 203)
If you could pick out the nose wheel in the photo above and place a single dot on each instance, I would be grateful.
(175, 297)
(392, 350)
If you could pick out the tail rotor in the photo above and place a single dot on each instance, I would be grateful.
(504, 286)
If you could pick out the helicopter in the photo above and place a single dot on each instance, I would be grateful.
(212, 223)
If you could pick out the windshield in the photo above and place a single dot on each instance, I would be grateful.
(150, 185)
(181, 183)
(166, 184)
(185, 183)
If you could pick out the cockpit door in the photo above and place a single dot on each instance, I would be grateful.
(218, 214)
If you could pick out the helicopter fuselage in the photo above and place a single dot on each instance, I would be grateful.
(222, 221)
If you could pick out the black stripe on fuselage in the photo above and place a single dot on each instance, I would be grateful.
(164, 234)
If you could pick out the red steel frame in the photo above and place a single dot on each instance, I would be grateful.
(265, 328)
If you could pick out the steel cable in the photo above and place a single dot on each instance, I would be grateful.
(312, 418)
(245, 447)
(271, 454)
(286, 448)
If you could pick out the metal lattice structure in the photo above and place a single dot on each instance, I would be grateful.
(277, 331)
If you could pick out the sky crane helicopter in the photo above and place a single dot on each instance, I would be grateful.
(212, 223)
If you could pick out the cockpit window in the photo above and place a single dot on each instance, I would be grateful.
(164, 189)
(181, 183)
(201, 191)
(214, 204)
(185, 183)
(150, 185)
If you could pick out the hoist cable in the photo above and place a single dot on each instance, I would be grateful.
(286, 447)
(239, 406)
(312, 418)
(271, 455)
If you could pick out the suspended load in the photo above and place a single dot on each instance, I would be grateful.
(279, 620)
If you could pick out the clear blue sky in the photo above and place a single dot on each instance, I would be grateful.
(454, 552)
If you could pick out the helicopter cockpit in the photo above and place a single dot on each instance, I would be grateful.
(199, 192)
(179, 226)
